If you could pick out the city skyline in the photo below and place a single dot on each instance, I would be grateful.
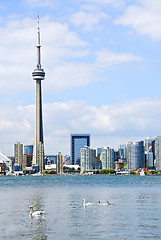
(102, 59)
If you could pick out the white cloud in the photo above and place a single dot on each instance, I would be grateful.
(17, 46)
(107, 124)
(107, 58)
(88, 20)
(40, 3)
(69, 75)
(66, 58)
(114, 3)
(144, 18)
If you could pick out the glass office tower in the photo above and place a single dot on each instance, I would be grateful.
(78, 141)
(158, 153)
(28, 149)
(135, 155)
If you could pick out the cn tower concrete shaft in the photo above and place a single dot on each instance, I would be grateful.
(38, 75)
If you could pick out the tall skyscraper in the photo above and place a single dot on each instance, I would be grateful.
(78, 141)
(86, 159)
(38, 75)
(149, 152)
(122, 151)
(59, 163)
(135, 155)
(18, 152)
(158, 153)
(107, 158)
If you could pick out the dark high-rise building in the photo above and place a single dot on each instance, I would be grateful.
(78, 141)
(149, 152)
(28, 149)
(38, 75)
(26, 161)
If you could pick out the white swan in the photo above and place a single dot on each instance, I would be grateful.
(86, 204)
(35, 212)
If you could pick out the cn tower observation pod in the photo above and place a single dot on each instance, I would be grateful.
(38, 74)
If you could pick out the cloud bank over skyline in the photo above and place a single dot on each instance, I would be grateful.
(102, 62)
(109, 125)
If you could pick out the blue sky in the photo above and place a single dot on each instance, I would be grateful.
(102, 61)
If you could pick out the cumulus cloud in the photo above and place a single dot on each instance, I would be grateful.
(69, 75)
(67, 59)
(108, 124)
(40, 3)
(107, 58)
(144, 18)
(88, 20)
(17, 47)
(114, 3)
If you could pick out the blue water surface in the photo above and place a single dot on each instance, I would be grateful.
(136, 213)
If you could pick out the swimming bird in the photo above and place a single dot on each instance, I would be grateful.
(99, 203)
(108, 203)
(105, 204)
(35, 212)
(86, 204)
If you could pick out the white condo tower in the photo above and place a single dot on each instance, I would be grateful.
(38, 75)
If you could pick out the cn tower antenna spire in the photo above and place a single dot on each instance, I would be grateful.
(38, 46)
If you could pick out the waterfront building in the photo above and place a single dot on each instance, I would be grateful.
(38, 75)
(78, 141)
(67, 159)
(71, 168)
(99, 150)
(2, 167)
(116, 155)
(107, 158)
(50, 159)
(18, 153)
(150, 160)
(28, 150)
(97, 165)
(149, 152)
(158, 153)
(86, 159)
(6, 163)
(119, 165)
(135, 155)
(51, 168)
(26, 161)
(122, 151)
(59, 163)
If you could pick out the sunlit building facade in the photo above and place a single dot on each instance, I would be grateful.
(86, 159)
(59, 163)
(158, 153)
(18, 154)
(107, 158)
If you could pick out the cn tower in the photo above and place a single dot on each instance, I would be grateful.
(38, 75)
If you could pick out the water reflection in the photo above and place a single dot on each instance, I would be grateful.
(38, 227)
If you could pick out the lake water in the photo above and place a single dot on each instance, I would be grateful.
(136, 213)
